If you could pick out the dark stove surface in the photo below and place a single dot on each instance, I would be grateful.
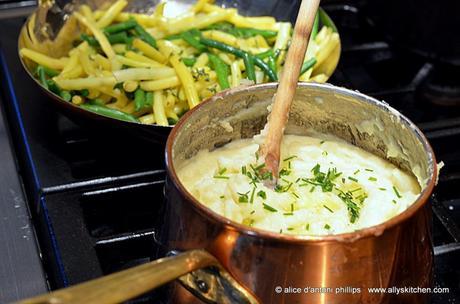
(94, 197)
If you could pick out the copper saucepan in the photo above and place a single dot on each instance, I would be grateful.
(249, 265)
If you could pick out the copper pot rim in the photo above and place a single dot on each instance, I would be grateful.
(372, 231)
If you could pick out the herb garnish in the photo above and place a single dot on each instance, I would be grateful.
(352, 179)
(307, 226)
(372, 179)
(221, 173)
(269, 208)
(370, 170)
(243, 197)
(289, 158)
(251, 200)
(352, 206)
(290, 229)
(396, 192)
(329, 209)
(262, 194)
(288, 213)
(356, 172)
(327, 227)
(383, 189)
(394, 202)
(324, 180)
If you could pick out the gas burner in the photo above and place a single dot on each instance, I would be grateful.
(441, 88)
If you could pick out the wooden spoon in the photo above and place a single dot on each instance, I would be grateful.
(270, 150)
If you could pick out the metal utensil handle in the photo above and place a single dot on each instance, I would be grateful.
(127, 284)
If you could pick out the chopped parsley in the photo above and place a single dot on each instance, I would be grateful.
(269, 208)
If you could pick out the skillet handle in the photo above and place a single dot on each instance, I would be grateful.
(127, 284)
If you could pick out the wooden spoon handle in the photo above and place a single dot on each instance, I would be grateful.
(270, 150)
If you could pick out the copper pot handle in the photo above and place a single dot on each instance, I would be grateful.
(127, 284)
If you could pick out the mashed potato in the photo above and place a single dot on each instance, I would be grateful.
(326, 186)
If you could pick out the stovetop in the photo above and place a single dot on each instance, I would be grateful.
(93, 196)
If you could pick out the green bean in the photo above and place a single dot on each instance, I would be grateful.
(243, 32)
(250, 68)
(42, 76)
(190, 39)
(314, 30)
(144, 35)
(96, 102)
(53, 87)
(120, 27)
(117, 38)
(223, 47)
(65, 95)
(112, 113)
(307, 65)
(148, 99)
(84, 92)
(91, 40)
(139, 99)
(241, 54)
(266, 69)
(189, 61)
(50, 72)
(265, 54)
(272, 63)
(221, 70)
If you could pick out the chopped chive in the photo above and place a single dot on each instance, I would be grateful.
(222, 196)
(307, 226)
(322, 142)
(252, 212)
(343, 180)
(292, 207)
(354, 190)
(330, 210)
(262, 194)
(394, 202)
(327, 227)
(290, 229)
(312, 189)
(243, 170)
(269, 208)
(288, 213)
(259, 167)
(382, 189)
(293, 193)
(243, 197)
(221, 177)
(222, 171)
(396, 192)
(356, 172)
(289, 158)
(251, 200)
(281, 230)
(325, 153)
(353, 179)
(370, 170)
(372, 179)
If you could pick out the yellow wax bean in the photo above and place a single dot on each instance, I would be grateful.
(101, 38)
(144, 74)
(149, 51)
(53, 63)
(221, 37)
(85, 83)
(148, 119)
(158, 109)
(103, 62)
(140, 58)
(111, 13)
(130, 85)
(161, 84)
